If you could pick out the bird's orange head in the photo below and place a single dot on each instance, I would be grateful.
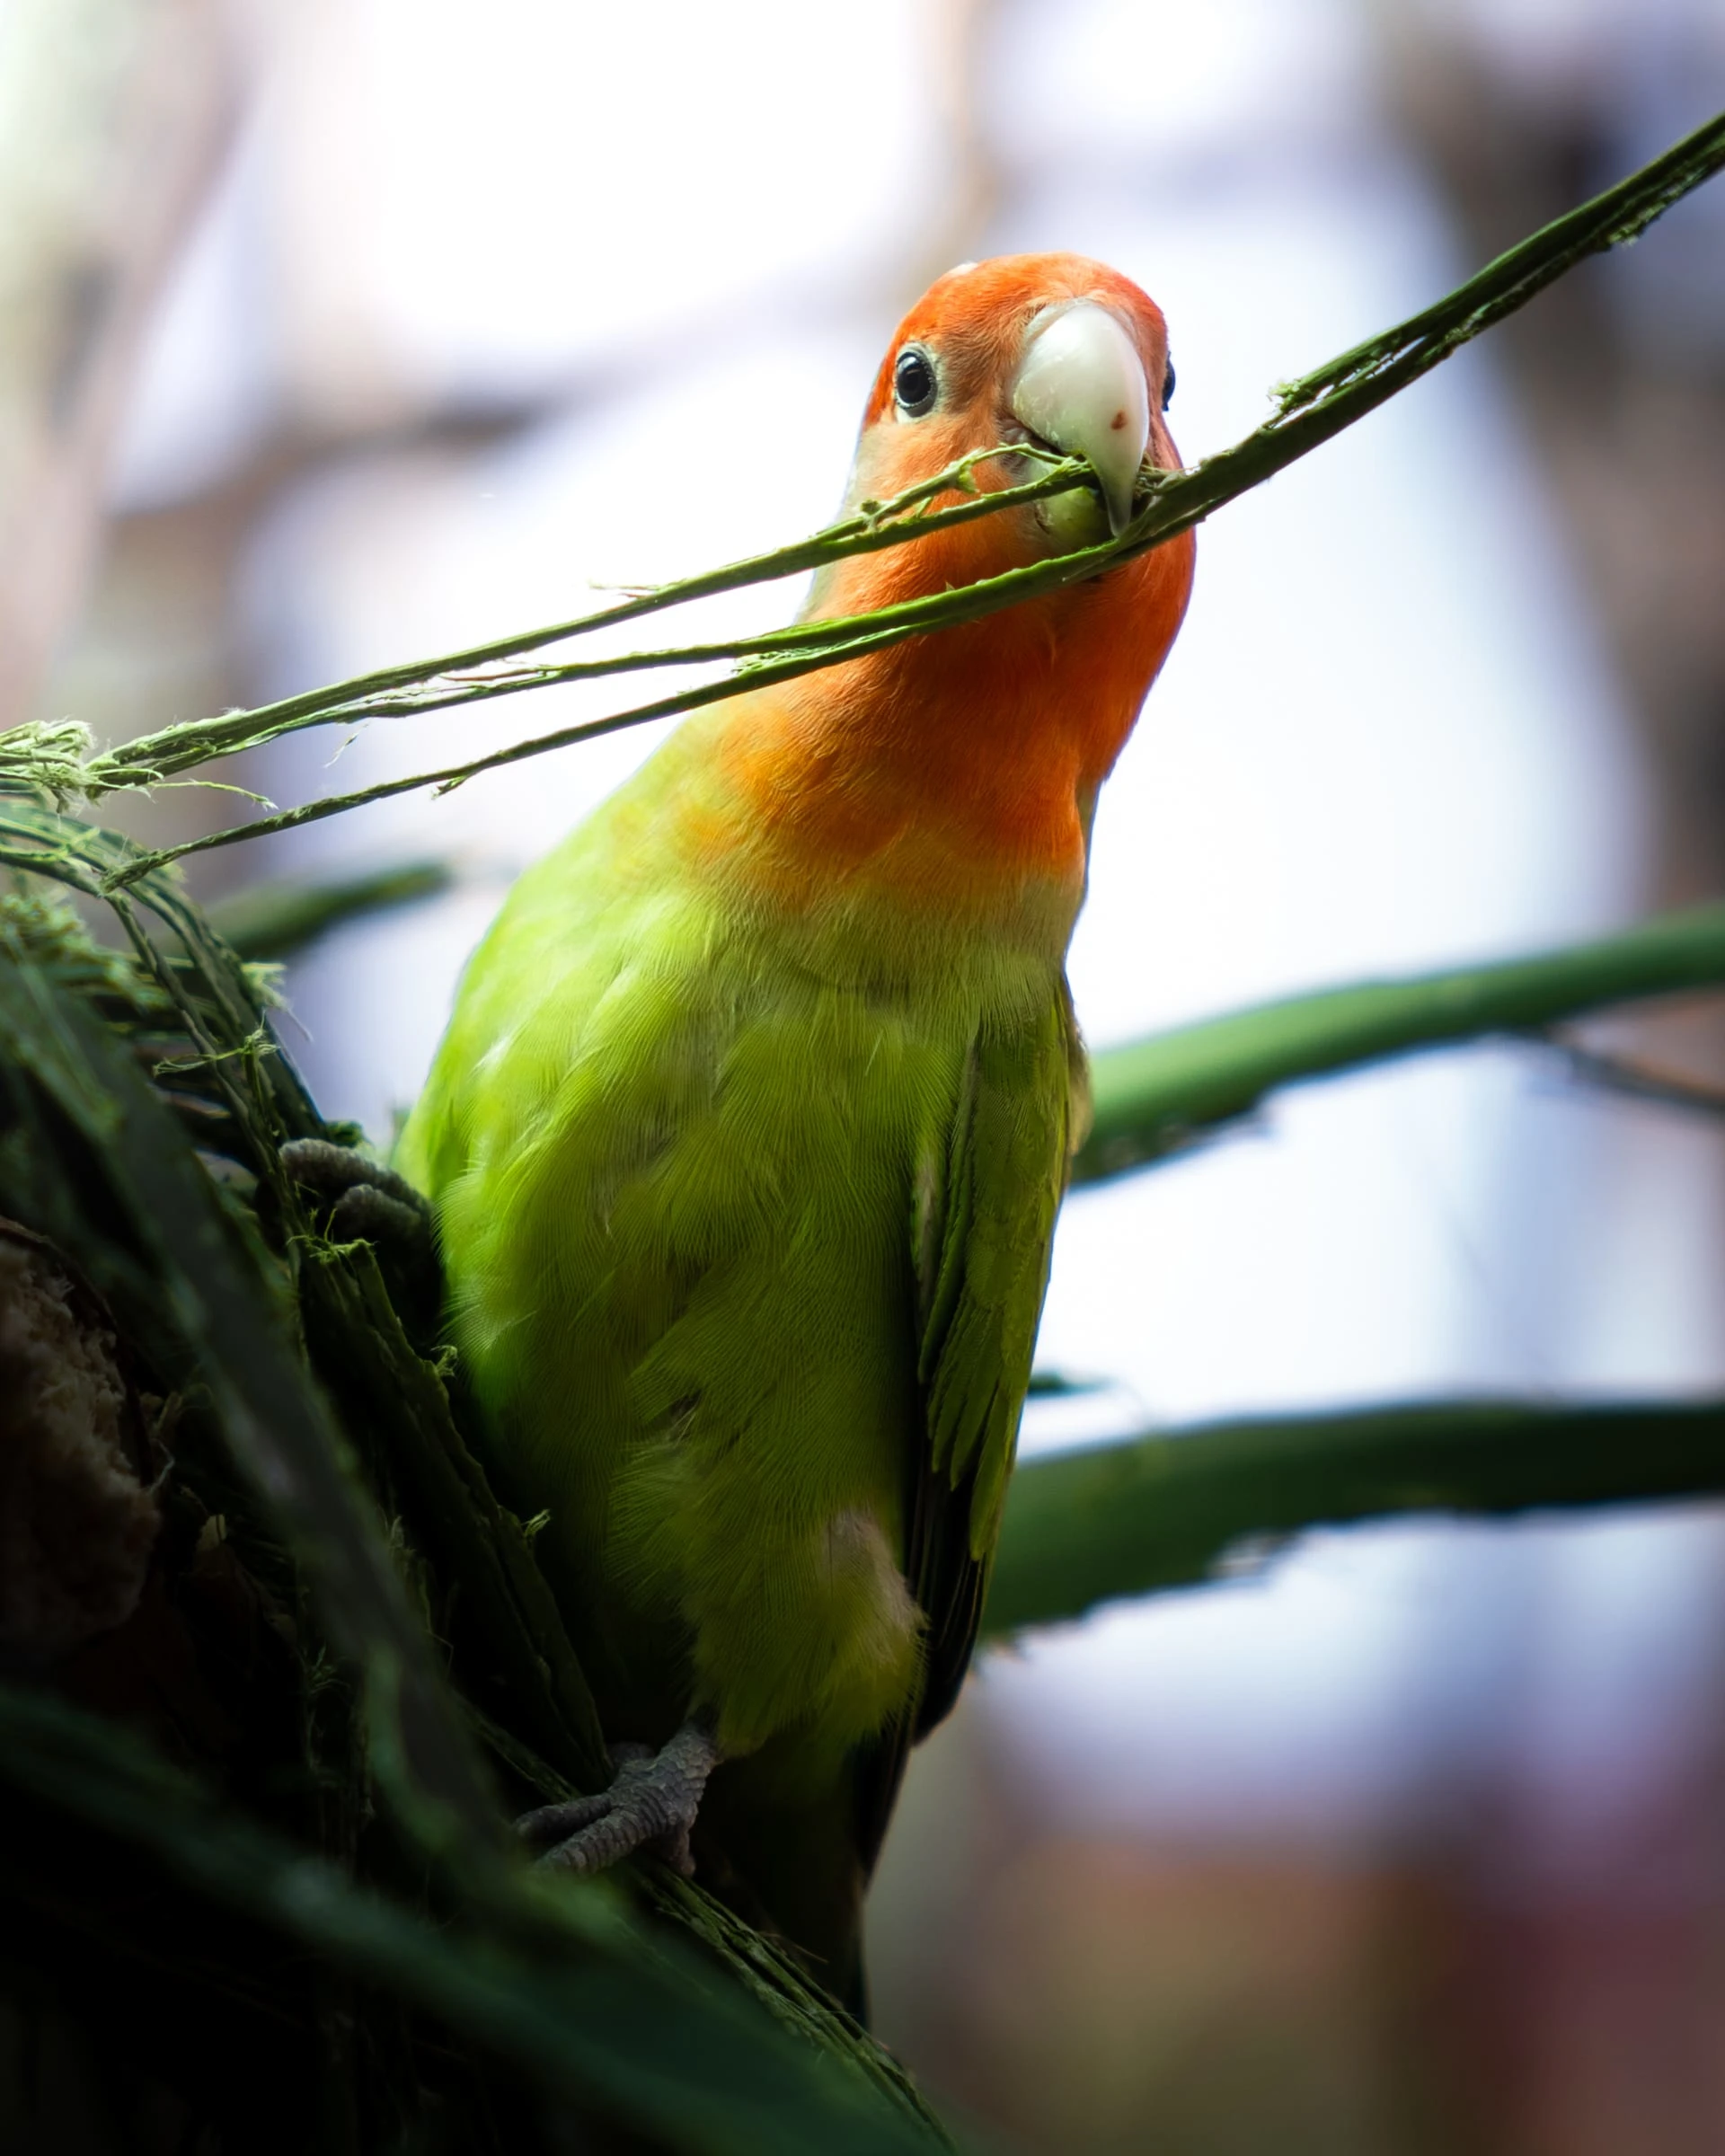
(997, 732)
(1043, 348)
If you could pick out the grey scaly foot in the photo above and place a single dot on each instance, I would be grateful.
(650, 1805)
(370, 1202)
(372, 1205)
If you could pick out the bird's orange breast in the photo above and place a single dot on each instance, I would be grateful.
(959, 766)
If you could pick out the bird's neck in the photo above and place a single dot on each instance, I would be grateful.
(955, 773)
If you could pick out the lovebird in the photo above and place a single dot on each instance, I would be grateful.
(747, 1137)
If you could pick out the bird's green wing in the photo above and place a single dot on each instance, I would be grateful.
(983, 1231)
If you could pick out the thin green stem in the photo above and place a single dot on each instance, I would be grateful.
(387, 692)
(516, 751)
(1308, 412)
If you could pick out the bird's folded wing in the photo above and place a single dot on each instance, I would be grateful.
(984, 1233)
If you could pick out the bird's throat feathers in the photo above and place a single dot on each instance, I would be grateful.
(957, 770)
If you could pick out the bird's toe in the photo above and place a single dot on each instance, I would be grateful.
(650, 1805)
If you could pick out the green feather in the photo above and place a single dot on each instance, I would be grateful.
(747, 1219)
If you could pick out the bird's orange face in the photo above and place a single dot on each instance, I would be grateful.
(1047, 349)
(984, 743)
(1067, 353)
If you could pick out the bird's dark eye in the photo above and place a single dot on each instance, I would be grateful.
(913, 382)
(1167, 386)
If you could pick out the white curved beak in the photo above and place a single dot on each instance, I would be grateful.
(1079, 385)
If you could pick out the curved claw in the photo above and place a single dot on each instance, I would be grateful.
(651, 1805)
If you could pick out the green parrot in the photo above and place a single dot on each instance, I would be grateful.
(749, 1132)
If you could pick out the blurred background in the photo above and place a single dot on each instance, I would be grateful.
(354, 330)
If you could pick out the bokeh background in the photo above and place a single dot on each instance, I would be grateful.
(412, 323)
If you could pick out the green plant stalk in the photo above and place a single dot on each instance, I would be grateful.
(1165, 1510)
(273, 921)
(389, 1391)
(873, 526)
(560, 1982)
(176, 1259)
(399, 1400)
(1151, 1096)
(1308, 412)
